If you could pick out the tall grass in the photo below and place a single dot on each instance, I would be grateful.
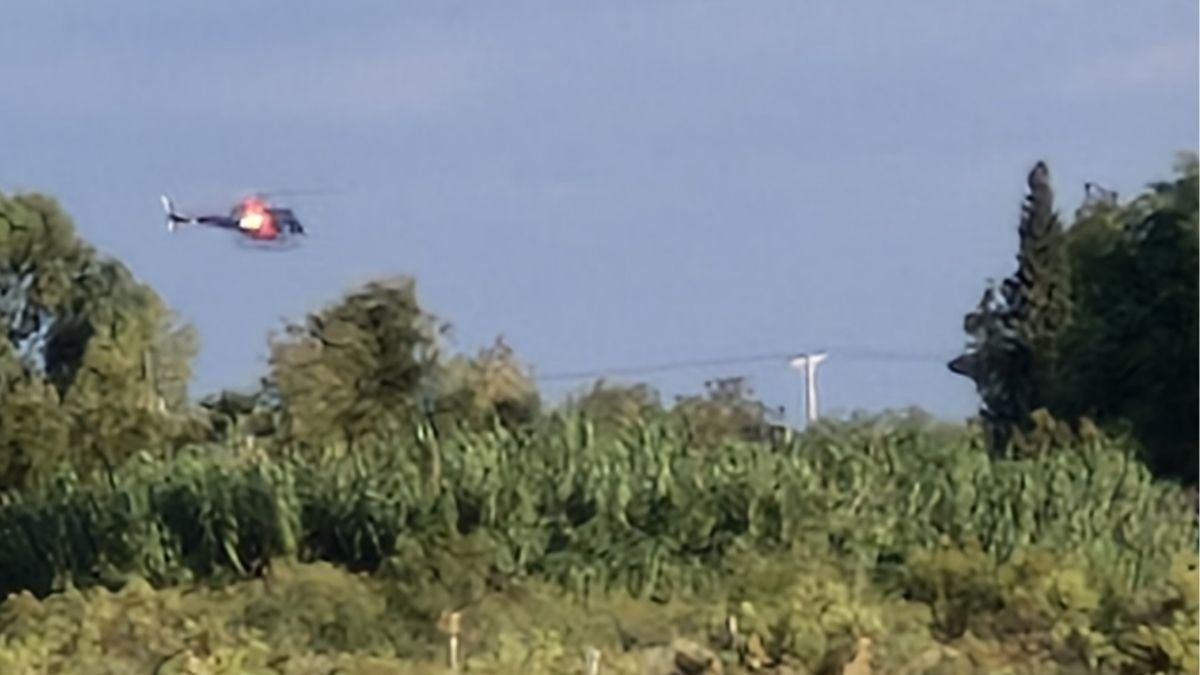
(640, 509)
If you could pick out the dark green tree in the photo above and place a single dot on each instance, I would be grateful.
(1015, 331)
(1131, 354)
(242, 418)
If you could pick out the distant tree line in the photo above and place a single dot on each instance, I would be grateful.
(94, 368)
(1099, 322)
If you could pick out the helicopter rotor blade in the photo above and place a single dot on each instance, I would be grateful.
(300, 192)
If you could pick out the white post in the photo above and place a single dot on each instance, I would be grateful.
(450, 623)
(592, 661)
(811, 380)
(808, 364)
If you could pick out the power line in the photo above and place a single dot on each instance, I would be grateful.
(663, 367)
(849, 354)
(854, 354)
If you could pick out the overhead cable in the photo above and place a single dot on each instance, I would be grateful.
(849, 354)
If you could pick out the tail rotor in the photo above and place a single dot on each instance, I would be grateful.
(173, 218)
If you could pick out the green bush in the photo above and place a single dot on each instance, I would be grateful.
(791, 611)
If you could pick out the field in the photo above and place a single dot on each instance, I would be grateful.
(861, 548)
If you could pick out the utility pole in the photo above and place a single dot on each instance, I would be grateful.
(807, 363)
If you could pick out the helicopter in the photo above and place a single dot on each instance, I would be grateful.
(253, 218)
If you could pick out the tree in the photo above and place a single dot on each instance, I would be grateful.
(40, 257)
(87, 345)
(493, 385)
(613, 405)
(1100, 322)
(242, 417)
(1014, 333)
(33, 428)
(729, 411)
(1131, 355)
(1041, 298)
(362, 364)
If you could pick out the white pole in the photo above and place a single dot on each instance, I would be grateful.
(811, 377)
(808, 364)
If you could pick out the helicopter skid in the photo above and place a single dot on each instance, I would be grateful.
(277, 245)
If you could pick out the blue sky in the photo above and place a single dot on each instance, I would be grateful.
(605, 184)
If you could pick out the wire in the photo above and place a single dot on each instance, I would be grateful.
(664, 367)
(850, 354)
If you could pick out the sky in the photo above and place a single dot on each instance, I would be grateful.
(603, 184)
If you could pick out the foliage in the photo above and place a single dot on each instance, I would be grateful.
(642, 512)
(729, 411)
(372, 363)
(1132, 354)
(883, 538)
(790, 612)
(492, 385)
(357, 365)
(1123, 348)
(617, 407)
(1057, 610)
(1014, 335)
(1160, 629)
(91, 356)
(305, 620)
(40, 257)
(806, 610)
(33, 428)
(241, 417)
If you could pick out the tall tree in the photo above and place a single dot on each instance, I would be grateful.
(1014, 334)
(1041, 298)
(33, 427)
(88, 348)
(121, 363)
(1132, 352)
(358, 365)
(40, 258)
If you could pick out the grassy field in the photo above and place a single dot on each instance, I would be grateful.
(858, 549)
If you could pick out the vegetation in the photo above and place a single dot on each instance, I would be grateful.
(1133, 351)
(1015, 358)
(94, 366)
(912, 544)
(1099, 321)
(378, 492)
